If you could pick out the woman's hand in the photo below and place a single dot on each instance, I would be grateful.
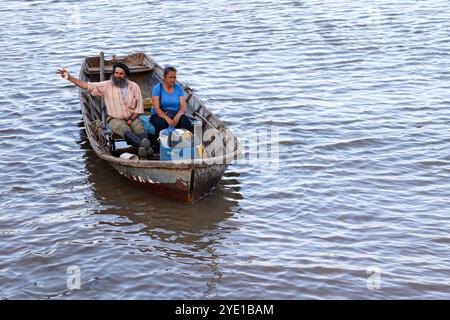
(176, 119)
(169, 121)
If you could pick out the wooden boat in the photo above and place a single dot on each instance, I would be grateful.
(187, 180)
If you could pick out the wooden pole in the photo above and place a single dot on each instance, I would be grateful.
(102, 78)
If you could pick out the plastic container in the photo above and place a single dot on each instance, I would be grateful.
(179, 148)
(129, 156)
(172, 154)
(170, 138)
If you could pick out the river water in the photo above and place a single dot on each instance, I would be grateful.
(355, 203)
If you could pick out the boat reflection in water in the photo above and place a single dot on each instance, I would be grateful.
(181, 232)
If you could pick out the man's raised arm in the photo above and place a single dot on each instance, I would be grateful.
(95, 88)
(80, 83)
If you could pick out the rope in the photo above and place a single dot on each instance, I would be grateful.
(97, 129)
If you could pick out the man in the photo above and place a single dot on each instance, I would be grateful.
(123, 102)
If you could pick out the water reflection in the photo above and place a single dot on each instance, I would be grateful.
(183, 233)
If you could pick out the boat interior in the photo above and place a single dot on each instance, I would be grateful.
(146, 73)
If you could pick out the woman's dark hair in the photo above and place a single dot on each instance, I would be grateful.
(169, 69)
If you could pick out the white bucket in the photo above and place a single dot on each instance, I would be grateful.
(164, 136)
(129, 156)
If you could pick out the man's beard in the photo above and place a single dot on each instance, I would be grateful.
(121, 83)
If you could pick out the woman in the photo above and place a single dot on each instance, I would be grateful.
(169, 105)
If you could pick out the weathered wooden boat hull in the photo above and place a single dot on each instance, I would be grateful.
(186, 180)
(180, 184)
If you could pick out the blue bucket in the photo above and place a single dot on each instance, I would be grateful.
(172, 154)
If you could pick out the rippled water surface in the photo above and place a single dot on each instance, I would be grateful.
(358, 207)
